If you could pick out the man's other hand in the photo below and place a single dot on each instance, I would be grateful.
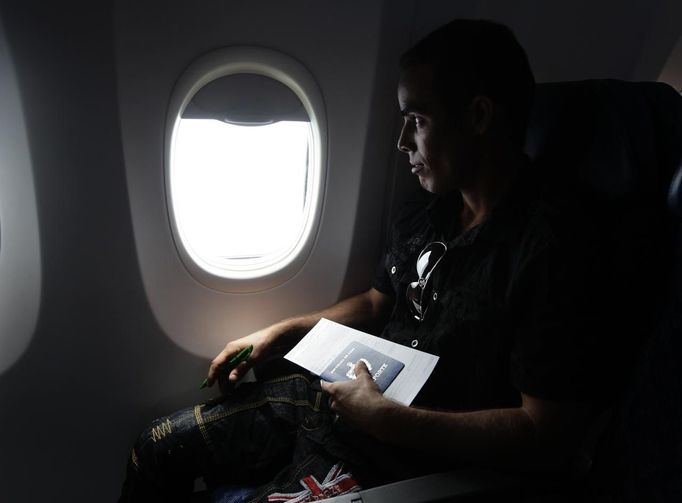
(261, 341)
(359, 402)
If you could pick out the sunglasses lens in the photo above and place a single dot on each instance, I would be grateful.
(419, 290)
(414, 293)
(429, 258)
(423, 262)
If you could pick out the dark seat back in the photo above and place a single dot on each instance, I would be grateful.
(650, 420)
(614, 146)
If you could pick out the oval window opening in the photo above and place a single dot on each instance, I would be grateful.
(241, 175)
(240, 191)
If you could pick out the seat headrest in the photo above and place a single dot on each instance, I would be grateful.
(619, 139)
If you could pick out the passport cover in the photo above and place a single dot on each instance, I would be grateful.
(382, 368)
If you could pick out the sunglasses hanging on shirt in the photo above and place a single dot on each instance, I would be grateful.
(418, 292)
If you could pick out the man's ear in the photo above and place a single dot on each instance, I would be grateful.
(481, 111)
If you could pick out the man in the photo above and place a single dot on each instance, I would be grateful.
(481, 276)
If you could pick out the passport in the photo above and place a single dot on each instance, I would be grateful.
(382, 368)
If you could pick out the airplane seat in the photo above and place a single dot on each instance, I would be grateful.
(630, 150)
(646, 433)
(610, 148)
(613, 146)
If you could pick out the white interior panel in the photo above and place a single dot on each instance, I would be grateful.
(20, 276)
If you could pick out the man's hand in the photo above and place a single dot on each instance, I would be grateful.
(262, 341)
(359, 402)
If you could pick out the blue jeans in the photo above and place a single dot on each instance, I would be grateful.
(277, 436)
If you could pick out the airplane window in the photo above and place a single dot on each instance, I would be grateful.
(244, 176)
(239, 191)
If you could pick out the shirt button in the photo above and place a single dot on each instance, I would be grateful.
(435, 295)
(414, 343)
(393, 269)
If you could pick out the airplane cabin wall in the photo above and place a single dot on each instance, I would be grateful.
(94, 80)
(69, 406)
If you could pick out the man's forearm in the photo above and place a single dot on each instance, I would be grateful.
(481, 437)
(498, 438)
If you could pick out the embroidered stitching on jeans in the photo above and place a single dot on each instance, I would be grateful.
(295, 403)
(202, 426)
(243, 408)
(260, 403)
(160, 431)
(133, 457)
(288, 378)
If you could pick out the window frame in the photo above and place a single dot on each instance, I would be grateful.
(291, 73)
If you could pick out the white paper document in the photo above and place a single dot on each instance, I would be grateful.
(323, 344)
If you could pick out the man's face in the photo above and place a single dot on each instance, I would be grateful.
(440, 151)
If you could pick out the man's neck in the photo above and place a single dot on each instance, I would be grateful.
(495, 178)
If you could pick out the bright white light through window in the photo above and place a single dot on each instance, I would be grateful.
(239, 192)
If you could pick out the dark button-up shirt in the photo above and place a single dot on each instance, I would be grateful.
(506, 310)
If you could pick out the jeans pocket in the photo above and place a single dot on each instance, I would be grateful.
(312, 423)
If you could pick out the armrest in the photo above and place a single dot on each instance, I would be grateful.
(449, 486)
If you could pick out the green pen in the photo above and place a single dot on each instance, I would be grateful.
(241, 356)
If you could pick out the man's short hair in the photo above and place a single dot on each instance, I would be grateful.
(472, 56)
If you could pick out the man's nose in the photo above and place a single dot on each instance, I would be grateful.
(405, 143)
